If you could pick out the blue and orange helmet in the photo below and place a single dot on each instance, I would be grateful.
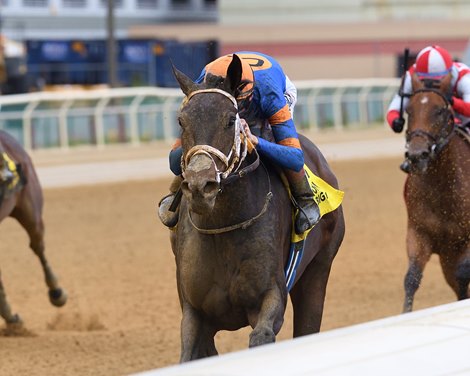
(219, 67)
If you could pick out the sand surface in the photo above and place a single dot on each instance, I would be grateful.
(113, 257)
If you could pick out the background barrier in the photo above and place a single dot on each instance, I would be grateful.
(68, 118)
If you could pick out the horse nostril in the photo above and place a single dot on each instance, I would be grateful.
(211, 186)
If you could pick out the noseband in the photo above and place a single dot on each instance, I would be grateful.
(233, 161)
(436, 142)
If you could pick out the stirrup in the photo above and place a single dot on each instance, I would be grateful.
(303, 222)
(168, 217)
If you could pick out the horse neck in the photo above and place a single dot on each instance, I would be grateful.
(449, 164)
(239, 200)
(243, 193)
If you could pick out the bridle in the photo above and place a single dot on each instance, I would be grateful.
(237, 155)
(232, 163)
(435, 142)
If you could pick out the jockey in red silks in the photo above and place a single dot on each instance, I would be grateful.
(269, 96)
(434, 63)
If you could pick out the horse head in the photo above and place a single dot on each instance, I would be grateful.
(430, 122)
(212, 135)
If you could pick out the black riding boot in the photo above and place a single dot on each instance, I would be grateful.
(309, 212)
(167, 215)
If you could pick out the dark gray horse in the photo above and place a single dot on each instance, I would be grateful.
(233, 236)
(22, 199)
(437, 191)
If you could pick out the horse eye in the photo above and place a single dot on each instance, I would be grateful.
(231, 122)
(440, 112)
(180, 122)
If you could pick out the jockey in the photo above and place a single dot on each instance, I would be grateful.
(434, 63)
(269, 95)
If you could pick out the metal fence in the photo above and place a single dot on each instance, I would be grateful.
(135, 115)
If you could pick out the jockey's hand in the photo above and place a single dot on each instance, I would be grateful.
(249, 135)
(398, 124)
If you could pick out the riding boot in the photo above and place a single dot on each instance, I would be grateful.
(167, 212)
(308, 211)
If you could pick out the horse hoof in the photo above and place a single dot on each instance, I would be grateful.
(262, 337)
(57, 297)
(15, 320)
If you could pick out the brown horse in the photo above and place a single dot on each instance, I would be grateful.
(437, 191)
(22, 199)
(232, 239)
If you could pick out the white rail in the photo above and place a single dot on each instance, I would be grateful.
(134, 115)
(431, 342)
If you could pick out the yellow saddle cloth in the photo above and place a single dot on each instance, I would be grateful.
(327, 198)
(14, 183)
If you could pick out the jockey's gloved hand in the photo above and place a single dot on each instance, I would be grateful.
(398, 124)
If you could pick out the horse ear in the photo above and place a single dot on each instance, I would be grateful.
(416, 83)
(186, 84)
(445, 86)
(234, 75)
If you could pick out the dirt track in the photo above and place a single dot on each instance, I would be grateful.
(114, 259)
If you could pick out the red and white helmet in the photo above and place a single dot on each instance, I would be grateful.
(433, 62)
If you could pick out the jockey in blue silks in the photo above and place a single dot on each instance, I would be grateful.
(267, 94)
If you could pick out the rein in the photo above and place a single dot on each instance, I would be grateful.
(232, 162)
(243, 225)
(438, 141)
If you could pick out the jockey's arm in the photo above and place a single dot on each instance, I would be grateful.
(287, 151)
(394, 107)
(175, 157)
(461, 103)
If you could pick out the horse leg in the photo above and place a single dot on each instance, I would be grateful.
(418, 256)
(197, 337)
(308, 294)
(463, 278)
(269, 319)
(457, 274)
(5, 310)
(29, 216)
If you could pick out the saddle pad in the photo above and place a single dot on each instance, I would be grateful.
(14, 170)
(327, 198)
